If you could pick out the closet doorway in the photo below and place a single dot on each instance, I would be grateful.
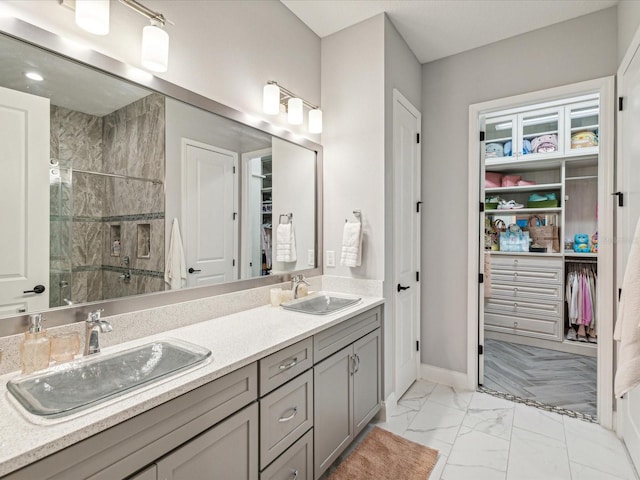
(545, 253)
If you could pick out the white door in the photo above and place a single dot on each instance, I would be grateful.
(209, 210)
(24, 186)
(406, 241)
(629, 183)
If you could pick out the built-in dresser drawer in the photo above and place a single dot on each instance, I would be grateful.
(523, 262)
(523, 307)
(520, 291)
(285, 414)
(285, 364)
(510, 276)
(531, 327)
(345, 333)
(295, 463)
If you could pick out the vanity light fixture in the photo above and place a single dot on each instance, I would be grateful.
(34, 76)
(93, 16)
(275, 95)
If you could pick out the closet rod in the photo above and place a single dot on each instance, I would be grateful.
(585, 177)
(581, 260)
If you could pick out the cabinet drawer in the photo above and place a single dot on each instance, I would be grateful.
(523, 262)
(530, 327)
(510, 276)
(285, 414)
(519, 291)
(339, 336)
(296, 462)
(285, 364)
(522, 307)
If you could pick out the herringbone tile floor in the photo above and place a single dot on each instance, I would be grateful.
(555, 378)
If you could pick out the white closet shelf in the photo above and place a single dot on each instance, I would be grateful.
(519, 211)
(526, 254)
(524, 188)
(542, 161)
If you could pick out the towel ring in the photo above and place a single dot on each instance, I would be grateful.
(357, 214)
(287, 217)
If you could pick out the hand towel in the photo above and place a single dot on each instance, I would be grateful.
(286, 243)
(627, 330)
(175, 272)
(351, 245)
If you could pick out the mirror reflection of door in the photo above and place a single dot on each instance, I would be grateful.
(24, 256)
(209, 213)
(256, 212)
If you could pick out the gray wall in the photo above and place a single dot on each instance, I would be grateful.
(628, 21)
(569, 52)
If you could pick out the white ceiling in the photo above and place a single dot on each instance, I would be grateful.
(435, 29)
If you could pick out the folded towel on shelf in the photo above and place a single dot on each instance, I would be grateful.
(175, 272)
(286, 243)
(351, 245)
(627, 330)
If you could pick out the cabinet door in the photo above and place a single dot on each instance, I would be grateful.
(333, 415)
(541, 133)
(228, 450)
(500, 142)
(366, 380)
(583, 128)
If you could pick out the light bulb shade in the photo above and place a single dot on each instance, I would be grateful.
(271, 99)
(295, 113)
(155, 48)
(93, 16)
(315, 121)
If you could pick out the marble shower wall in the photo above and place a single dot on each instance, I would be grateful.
(134, 145)
(84, 204)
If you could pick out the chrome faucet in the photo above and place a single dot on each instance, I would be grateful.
(94, 325)
(296, 281)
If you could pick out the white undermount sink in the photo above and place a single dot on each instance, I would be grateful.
(65, 389)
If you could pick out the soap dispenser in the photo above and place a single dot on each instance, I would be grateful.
(35, 348)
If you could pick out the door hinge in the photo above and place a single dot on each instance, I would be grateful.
(480, 350)
(417, 276)
(620, 103)
(619, 293)
(481, 207)
(481, 278)
(235, 214)
(482, 136)
(234, 169)
(233, 262)
(417, 138)
(620, 196)
(417, 345)
(418, 206)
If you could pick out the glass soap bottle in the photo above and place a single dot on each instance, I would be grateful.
(36, 347)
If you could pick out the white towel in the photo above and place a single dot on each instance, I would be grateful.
(627, 330)
(175, 272)
(286, 243)
(351, 245)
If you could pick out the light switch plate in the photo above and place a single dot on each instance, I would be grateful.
(311, 258)
(331, 258)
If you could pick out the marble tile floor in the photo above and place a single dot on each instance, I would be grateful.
(480, 437)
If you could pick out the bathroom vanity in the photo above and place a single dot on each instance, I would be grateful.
(284, 394)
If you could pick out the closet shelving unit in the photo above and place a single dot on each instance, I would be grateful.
(527, 305)
(267, 204)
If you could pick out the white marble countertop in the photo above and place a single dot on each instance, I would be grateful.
(234, 340)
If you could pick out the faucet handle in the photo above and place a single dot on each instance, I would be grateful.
(95, 315)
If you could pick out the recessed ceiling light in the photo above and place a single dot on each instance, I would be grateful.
(34, 76)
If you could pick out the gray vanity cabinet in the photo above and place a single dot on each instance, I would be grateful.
(347, 389)
(228, 451)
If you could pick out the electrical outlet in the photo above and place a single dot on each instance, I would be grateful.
(311, 258)
(331, 258)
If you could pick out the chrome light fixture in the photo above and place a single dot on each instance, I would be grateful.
(275, 95)
(93, 16)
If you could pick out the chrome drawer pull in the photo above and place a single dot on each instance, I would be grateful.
(286, 419)
(515, 324)
(293, 363)
(515, 291)
(295, 475)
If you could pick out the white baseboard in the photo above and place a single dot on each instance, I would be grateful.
(388, 407)
(443, 376)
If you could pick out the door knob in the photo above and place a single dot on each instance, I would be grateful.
(193, 270)
(37, 289)
(400, 288)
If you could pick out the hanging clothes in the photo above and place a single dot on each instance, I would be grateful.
(581, 295)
